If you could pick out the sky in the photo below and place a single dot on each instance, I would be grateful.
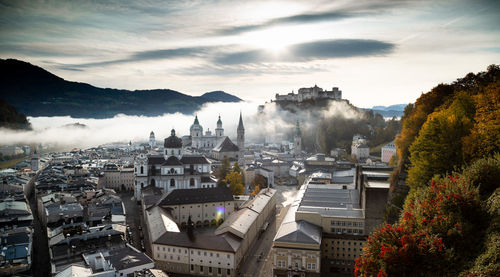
(377, 52)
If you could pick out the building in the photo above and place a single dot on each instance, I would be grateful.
(312, 93)
(226, 148)
(209, 251)
(11, 150)
(359, 149)
(172, 170)
(152, 141)
(204, 141)
(205, 206)
(388, 151)
(240, 135)
(297, 140)
(329, 221)
(15, 252)
(117, 177)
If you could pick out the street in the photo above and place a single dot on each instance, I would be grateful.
(252, 264)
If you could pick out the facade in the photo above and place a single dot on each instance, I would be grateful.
(152, 141)
(117, 178)
(388, 151)
(207, 251)
(205, 206)
(207, 140)
(312, 93)
(226, 148)
(297, 140)
(360, 151)
(327, 224)
(172, 170)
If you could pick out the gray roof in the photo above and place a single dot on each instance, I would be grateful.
(300, 231)
(172, 160)
(226, 145)
(127, 258)
(202, 238)
(199, 195)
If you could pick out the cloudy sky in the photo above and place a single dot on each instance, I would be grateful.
(377, 52)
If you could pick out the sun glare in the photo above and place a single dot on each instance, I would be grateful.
(274, 39)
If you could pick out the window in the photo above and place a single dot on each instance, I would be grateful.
(142, 169)
(172, 182)
(191, 182)
(201, 268)
(210, 269)
(219, 271)
(228, 271)
(192, 267)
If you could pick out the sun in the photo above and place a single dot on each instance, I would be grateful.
(274, 40)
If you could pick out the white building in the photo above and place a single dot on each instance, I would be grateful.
(152, 141)
(207, 140)
(208, 251)
(312, 93)
(388, 151)
(172, 170)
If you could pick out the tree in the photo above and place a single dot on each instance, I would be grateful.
(223, 170)
(235, 181)
(256, 190)
(236, 168)
(444, 227)
(438, 146)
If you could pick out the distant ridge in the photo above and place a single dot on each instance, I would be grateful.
(37, 92)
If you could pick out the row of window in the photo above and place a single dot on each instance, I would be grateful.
(282, 264)
(346, 231)
(346, 223)
(219, 270)
(168, 249)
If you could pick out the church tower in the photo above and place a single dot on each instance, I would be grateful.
(297, 140)
(196, 132)
(152, 141)
(219, 131)
(241, 134)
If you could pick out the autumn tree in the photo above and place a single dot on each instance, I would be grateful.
(442, 229)
(235, 181)
(438, 147)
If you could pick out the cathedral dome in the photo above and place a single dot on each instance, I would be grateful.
(173, 141)
(196, 125)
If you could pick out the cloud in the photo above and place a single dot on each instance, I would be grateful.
(159, 54)
(294, 19)
(272, 124)
(316, 50)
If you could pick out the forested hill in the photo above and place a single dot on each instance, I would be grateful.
(10, 118)
(37, 92)
(449, 224)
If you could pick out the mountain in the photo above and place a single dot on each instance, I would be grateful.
(37, 92)
(389, 111)
(10, 118)
(397, 107)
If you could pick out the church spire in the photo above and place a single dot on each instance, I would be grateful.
(240, 124)
(196, 120)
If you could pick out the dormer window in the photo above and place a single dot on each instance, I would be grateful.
(172, 171)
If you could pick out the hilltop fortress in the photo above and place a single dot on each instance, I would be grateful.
(312, 93)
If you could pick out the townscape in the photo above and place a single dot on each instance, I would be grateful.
(163, 206)
(153, 138)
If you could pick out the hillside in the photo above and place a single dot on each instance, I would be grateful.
(37, 92)
(10, 118)
(449, 157)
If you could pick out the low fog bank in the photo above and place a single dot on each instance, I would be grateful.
(269, 124)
